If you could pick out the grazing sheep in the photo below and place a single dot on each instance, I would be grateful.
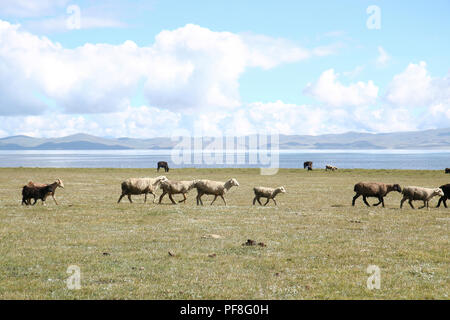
(446, 189)
(269, 193)
(138, 186)
(163, 164)
(176, 187)
(374, 189)
(34, 191)
(418, 193)
(307, 164)
(447, 170)
(215, 188)
(330, 167)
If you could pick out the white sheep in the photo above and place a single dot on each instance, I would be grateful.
(176, 187)
(215, 188)
(138, 186)
(330, 167)
(419, 193)
(269, 193)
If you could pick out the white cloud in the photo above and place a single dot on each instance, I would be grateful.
(140, 122)
(30, 8)
(185, 69)
(415, 87)
(328, 90)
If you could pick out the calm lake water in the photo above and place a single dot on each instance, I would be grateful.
(365, 159)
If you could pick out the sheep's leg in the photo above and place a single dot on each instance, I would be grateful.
(254, 200)
(425, 204)
(184, 200)
(171, 199)
(266, 202)
(410, 203)
(215, 197)
(161, 197)
(274, 201)
(129, 198)
(199, 199)
(354, 199)
(445, 202)
(438, 205)
(145, 198)
(365, 201)
(120, 198)
(380, 200)
(53, 196)
(223, 199)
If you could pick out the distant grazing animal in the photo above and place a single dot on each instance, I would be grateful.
(447, 170)
(374, 189)
(215, 188)
(41, 191)
(163, 164)
(269, 193)
(419, 193)
(175, 187)
(330, 167)
(446, 189)
(307, 164)
(136, 186)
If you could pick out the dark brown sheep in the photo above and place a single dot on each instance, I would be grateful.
(374, 189)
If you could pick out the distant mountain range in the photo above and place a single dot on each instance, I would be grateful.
(428, 139)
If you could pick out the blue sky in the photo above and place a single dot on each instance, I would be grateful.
(152, 68)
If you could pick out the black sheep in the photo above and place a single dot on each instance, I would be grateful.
(446, 189)
(38, 192)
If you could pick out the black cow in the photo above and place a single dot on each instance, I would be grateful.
(307, 164)
(446, 189)
(163, 164)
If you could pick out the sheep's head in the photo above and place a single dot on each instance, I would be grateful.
(234, 182)
(397, 188)
(438, 192)
(162, 179)
(59, 183)
(193, 184)
(282, 189)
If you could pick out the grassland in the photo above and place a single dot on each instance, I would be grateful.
(317, 245)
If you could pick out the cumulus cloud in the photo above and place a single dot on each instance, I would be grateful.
(187, 68)
(328, 90)
(415, 87)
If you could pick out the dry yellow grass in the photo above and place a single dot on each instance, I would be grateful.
(318, 245)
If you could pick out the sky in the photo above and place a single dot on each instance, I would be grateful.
(146, 69)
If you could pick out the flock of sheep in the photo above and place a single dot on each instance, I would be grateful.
(139, 186)
(380, 190)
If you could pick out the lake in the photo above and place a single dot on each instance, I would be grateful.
(350, 159)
